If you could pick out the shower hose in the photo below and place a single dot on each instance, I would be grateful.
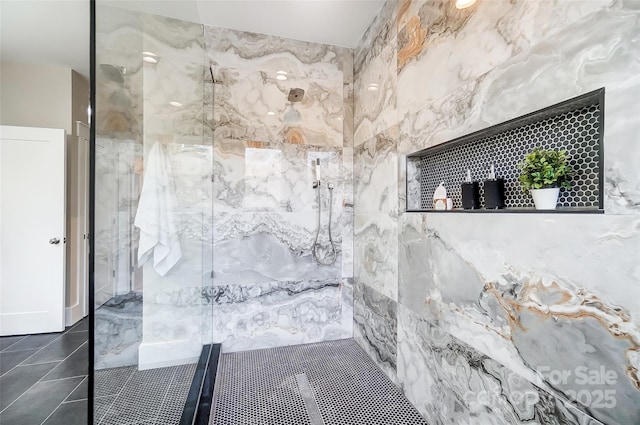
(332, 258)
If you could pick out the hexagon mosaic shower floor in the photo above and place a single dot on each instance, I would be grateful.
(328, 383)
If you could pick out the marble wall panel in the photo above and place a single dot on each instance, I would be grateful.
(177, 77)
(252, 105)
(528, 307)
(278, 177)
(376, 252)
(574, 61)
(249, 316)
(455, 46)
(118, 331)
(375, 174)
(264, 203)
(244, 50)
(522, 296)
(375, 327)
(452, 383)
(376, 213)
(258, 247)
(376, 77)
(347, 216)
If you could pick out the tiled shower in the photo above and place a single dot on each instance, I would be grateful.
(463, 312)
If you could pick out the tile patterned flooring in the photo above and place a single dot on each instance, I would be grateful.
(43, 378)
(328, 383)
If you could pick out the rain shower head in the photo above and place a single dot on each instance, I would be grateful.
(113, 73)
(295, 95)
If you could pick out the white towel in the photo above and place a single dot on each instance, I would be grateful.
(156, 216)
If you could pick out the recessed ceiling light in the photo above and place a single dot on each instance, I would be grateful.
(373, 87)
(281, 72)
(281, 77)
(148, 54)
(150, 59)
(463, 4)
(174, 103)
(271, 113)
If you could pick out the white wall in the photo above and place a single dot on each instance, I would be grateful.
(56, 97)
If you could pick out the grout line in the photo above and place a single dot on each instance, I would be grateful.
(166, 392)
(40, 380)
(42, 348)
(73, 401)
(115, 398)
(86, 377)
(6, 349)
(32, 364)
(21, 395)
(62, 361)
(18, 365)
(60, 404)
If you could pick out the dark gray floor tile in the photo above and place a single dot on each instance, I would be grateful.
(8, 341)
(60, 348)
(82, 325)
(81, 392)
(36, 404)
(19, 380)
(10, 359)
(32, 342)
(77, 364)
(73, 413)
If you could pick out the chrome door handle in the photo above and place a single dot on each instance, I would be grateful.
(54, 241)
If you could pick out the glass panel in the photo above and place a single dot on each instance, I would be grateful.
(152, 215)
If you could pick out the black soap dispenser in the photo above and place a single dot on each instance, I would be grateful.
(470, 193)
(493, 191)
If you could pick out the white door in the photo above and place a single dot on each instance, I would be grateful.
(32, 229)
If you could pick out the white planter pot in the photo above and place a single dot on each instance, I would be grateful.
(545, 199)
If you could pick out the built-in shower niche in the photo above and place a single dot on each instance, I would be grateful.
(575, 125)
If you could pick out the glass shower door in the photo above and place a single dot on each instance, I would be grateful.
(152, 215)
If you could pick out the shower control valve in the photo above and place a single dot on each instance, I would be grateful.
(330, 186)
(316, 184)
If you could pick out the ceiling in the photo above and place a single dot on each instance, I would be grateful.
(56, 32)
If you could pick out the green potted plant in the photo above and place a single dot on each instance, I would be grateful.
(543, 173)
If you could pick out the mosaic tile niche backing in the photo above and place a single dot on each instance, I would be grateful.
(575, 126)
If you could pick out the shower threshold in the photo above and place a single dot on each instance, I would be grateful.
(325, 383)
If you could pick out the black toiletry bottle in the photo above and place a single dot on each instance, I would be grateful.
(493, 191)
(470, 193)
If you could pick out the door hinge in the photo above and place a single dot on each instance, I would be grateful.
(113, 273)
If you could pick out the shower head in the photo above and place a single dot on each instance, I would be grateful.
(113, 73)
(295, 95)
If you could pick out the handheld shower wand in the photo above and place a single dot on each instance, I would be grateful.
(314, 248)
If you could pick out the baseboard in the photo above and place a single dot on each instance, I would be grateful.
(73, 314)
(167, 353)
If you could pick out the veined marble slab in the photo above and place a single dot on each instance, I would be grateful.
(455, 46)
(118, 331)
(252, 105)
(375, 327)
(375, 74)
(449, 382)
(574, 61)
(278, 177)
(237, 49)
(271, 314)
(259, 247)
(528, 305)
(376, 173)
